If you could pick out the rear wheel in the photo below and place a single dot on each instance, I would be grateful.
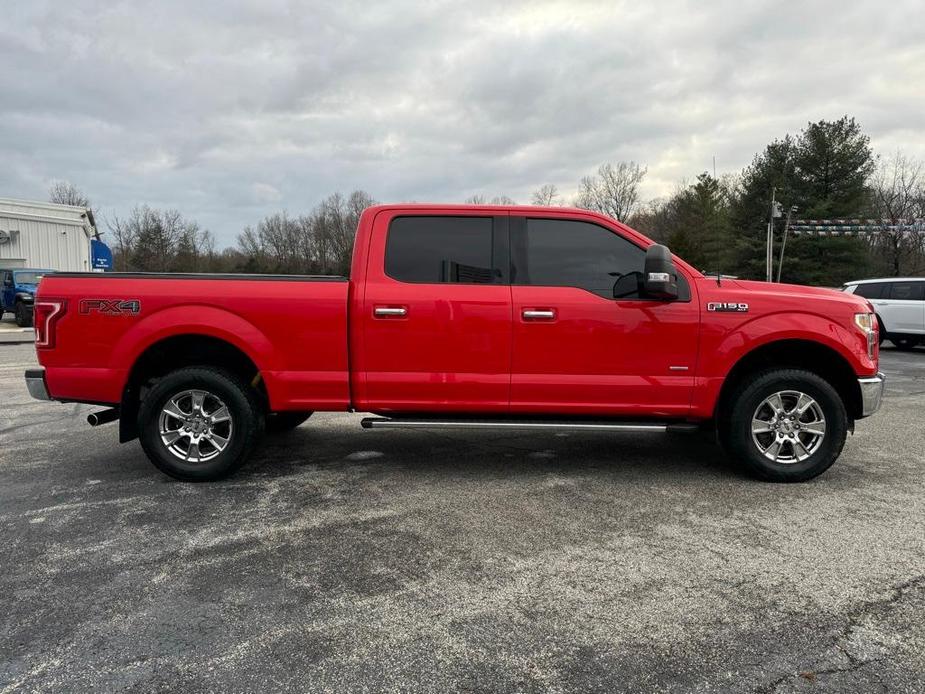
(285, 421)
(200, 424)
(904, 343)
(785, 425)
(23, 315)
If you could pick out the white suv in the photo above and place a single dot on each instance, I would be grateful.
(900, 306)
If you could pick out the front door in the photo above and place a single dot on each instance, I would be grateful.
(585, 341)
(436, 318)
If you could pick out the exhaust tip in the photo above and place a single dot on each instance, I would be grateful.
(95, 419)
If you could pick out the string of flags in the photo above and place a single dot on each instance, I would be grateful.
(856, 227)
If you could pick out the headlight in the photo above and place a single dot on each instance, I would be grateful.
(865, 321)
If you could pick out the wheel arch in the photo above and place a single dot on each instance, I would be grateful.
(177, 351)
(808, 355)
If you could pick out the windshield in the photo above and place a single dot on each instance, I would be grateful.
(28, 277)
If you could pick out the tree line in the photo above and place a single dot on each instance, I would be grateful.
(718, 224)
(827, 171)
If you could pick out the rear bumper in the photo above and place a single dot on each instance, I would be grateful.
(35, 382)
(871, 393)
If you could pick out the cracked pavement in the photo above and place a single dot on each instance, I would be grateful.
(342, 559)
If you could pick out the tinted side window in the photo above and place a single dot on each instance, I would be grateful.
(907, 290)
(571, 253)
(440, 249)
(874, 290)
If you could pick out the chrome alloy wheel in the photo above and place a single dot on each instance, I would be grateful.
(195, 426)
(788, 427)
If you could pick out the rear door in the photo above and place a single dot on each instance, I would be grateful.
(585, 341)
(436, 314)
(906, 307)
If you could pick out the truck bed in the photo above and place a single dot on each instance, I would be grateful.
(292, 327)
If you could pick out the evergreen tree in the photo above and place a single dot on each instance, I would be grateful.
(823, 172)
(701, 229)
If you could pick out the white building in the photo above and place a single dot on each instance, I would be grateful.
(45, 235)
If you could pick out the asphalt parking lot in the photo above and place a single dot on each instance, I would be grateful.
(342, 559)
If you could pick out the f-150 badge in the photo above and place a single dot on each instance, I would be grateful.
(111, 307)
(723, 307)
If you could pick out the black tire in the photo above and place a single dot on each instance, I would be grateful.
(744, 404)
(246, 416)
(278, 422)
(904, 343)
(23, 315)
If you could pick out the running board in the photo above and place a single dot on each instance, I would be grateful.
(409, 423)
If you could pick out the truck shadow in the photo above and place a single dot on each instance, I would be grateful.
(509, 454)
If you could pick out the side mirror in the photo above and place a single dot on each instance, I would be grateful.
(661, 276)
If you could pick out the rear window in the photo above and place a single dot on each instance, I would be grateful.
(439, 250)
(874, 290)
(907, 290)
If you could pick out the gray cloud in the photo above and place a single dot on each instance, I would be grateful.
(229, 110)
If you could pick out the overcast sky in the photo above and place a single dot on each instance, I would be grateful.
(229, 110)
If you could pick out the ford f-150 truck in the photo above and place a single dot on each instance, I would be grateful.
(465, 316)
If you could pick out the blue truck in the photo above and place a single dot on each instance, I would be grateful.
(17, 292)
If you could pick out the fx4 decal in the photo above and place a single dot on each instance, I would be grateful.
(724, 307)
(110, 307)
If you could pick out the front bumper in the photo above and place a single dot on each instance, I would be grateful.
(871, 393)
(35, 382)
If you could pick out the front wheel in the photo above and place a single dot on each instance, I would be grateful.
(904, 343)
(23, 315)
(200, 424)
(785, 425)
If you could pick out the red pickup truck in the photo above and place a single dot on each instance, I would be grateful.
(464, 316)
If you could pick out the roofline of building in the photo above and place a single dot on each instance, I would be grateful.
(68, 221)
(43, 205)
(51, 212)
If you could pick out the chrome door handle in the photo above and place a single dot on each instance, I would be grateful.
(389, 311)
(538, 314)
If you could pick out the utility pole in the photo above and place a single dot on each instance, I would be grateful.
(783, 243)
(774, 214)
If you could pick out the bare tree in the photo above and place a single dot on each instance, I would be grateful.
(614, 191)
(124, 231)
(546, 195)
(155, 240)
(497, 200)
(898, 187)
(66, 193)
(321, 241)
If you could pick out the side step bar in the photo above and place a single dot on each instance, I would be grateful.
(409, 423)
